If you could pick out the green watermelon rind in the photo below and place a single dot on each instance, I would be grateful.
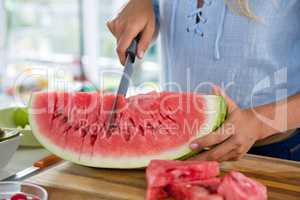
(215, 118)
(219, 119)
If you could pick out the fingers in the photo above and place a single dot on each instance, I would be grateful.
(124, 42)
(124, 35)
(230, 102)
(218, 153)
(134, 18)
(228, 157)
(110, 26)
(128, 35)
(145, 40)
(211, 139)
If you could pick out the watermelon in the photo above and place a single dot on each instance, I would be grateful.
(198, 180)
(148, 126)
(236, 186)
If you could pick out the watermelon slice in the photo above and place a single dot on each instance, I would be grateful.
(148, 126)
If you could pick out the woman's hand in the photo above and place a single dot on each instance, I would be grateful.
(234, 138)
(136, 17)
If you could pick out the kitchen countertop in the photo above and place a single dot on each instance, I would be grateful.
(69, 181)
(23, 158)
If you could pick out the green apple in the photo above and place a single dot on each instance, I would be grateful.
(20, 117)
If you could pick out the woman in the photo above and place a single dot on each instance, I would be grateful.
(253, 54)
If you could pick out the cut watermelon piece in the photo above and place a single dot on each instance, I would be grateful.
(197, 180)
(236, 186)
(165, 177)
(148, 126)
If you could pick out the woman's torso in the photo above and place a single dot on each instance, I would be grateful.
(254, 62)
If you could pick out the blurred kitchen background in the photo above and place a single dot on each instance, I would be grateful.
(42, 39)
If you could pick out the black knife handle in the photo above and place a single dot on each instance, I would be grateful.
(132, 49)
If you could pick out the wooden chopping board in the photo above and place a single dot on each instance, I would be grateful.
(68, 181)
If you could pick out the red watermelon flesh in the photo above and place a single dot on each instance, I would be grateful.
(210, 184)
(148, 126)
(236, 186)
(163, 177)
(186, 191)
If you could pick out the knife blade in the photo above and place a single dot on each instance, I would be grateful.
(124, 83)
(37, 167)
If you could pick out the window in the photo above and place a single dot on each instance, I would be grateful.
(39, 29)
(47, 33)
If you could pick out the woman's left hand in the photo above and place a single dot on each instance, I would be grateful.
(234, 138)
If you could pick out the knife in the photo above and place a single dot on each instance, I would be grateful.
(124, 83)
(37, 167)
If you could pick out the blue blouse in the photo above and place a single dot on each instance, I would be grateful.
(255, 62)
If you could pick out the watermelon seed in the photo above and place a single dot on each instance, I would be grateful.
(76, 127)
(132, 121)
(127, 136)
(56, 115)
(83, 122)
(83, 132)
(93, 139)
(65, 119)
(109, 131)
(166, 189)
(141, 130)
(67, 129)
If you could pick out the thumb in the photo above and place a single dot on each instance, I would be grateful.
(230, 102)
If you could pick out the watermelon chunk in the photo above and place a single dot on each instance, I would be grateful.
(236, 186)
(197, 180)
(147, 126)
(165, 177)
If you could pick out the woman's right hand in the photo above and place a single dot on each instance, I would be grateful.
(136, 17)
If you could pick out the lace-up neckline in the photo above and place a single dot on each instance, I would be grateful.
(199, 20)
(198, 17)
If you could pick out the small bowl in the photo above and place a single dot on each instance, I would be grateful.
(7, 121)
(7, 149)
(9, 188)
